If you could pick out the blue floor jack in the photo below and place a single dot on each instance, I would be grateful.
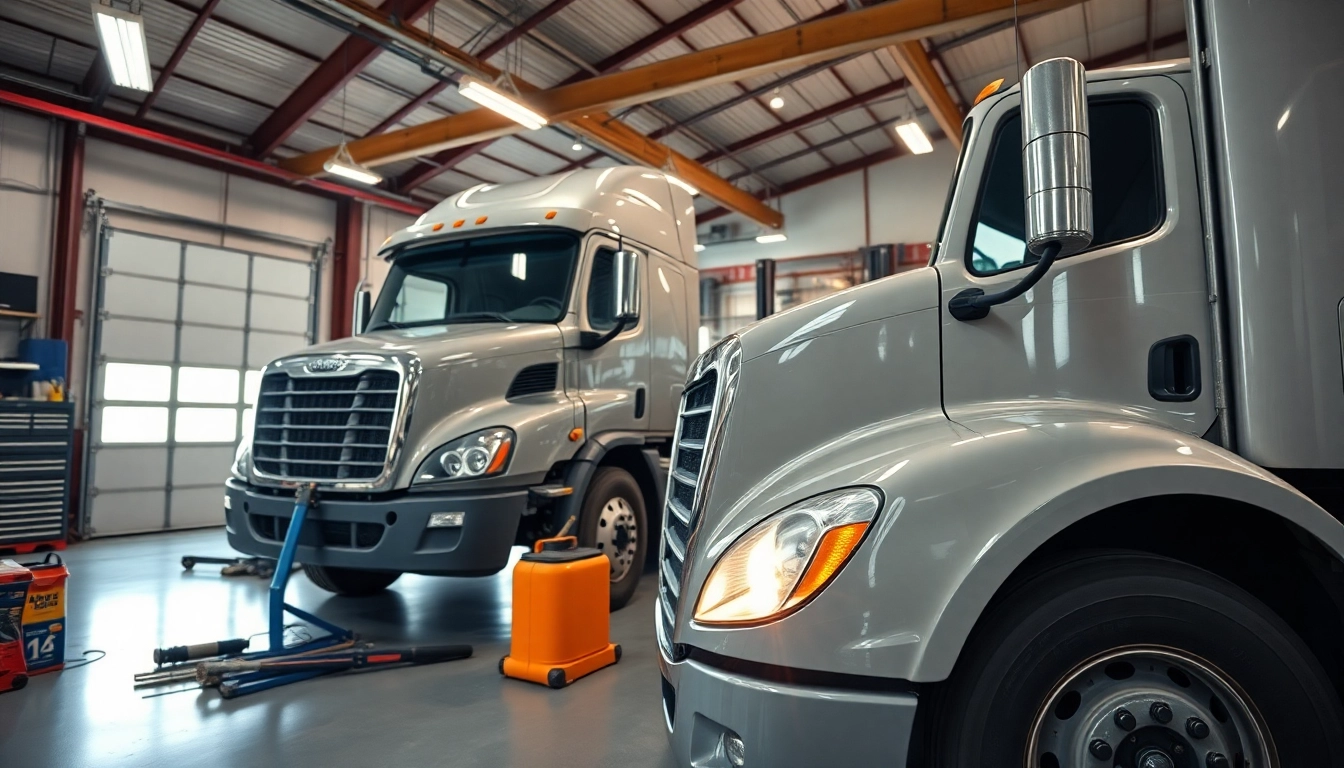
(238, 674)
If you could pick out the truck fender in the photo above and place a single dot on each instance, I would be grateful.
(1091, 475)
(585, 463)
(965, 504)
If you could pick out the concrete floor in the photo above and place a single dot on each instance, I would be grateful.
(130, 595)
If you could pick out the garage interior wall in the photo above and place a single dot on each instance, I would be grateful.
(29, 169)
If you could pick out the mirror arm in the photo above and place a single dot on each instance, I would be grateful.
(974, 303)
(593, 339)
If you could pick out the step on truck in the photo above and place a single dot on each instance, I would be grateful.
(521, 366)
(1076, 499)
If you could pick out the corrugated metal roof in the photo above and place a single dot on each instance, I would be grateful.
(255, 53)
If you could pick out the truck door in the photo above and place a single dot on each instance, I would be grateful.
(614, 378)
(1122, 327)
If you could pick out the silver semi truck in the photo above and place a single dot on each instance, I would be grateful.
(521, 366)
(1070, 495)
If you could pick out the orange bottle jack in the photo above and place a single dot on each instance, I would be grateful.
(561, 614)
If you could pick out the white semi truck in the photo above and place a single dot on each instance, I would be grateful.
(1071, 495)
(522, 365)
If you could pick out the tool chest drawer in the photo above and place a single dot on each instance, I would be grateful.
(35, 440)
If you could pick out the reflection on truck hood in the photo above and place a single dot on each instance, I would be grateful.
(440, 345)
(818, 382)
(891, 296)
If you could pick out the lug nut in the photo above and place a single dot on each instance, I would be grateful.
(1160, 712)
(1100, 749)
(1125, 719)
(1216, 760)
(1197, 728)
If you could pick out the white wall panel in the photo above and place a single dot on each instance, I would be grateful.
(278, 314)
(129, 512)
(276, 276)
(152, 256)
(211, 346)
(262, 348)
(215, 266)
(140, 297)
(138, 341)
(217, 306)
(139, 467)
(198, 466)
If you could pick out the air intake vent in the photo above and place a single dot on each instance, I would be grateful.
(532, 380)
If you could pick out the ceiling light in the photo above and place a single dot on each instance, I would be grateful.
(674, 180)
(912, 133)
(123, 38)
(506, 104)
(773, 237)
(578, 146)
(777, 101)
(342, 164)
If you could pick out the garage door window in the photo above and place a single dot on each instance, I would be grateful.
(1126, 186)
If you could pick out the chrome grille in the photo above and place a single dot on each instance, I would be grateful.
(325, 428)
(704, 409)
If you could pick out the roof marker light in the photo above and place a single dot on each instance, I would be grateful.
(459, 223)
(437, 226)
(987, 91)
(550, 215)
(481, 220)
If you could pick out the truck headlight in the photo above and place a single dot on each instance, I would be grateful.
(480, 454)
(242, 458)
(787, 558)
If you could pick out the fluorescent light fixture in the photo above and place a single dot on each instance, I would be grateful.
(674, 180)
(773, 237)
(699, 247)
(912, 133)
(506, 104)
(122, 35)
(342, 164)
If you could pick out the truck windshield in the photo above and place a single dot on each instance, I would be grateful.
(513, 278)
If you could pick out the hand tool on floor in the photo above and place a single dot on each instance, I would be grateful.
(263, 567)
(180, 653)
(263, 671)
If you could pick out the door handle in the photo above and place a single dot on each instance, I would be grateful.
(1173, 369)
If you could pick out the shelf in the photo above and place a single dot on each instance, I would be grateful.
(21, 315)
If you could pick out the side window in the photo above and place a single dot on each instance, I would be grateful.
(602, 291)
(1126, 186)
(420, 299)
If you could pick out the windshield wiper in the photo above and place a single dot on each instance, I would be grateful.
(385, 325)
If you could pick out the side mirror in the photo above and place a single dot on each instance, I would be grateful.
(626, 275)
(1057, 177)
(359, 318)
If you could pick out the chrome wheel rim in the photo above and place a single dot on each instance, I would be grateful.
(1149, 707)
(618, 535)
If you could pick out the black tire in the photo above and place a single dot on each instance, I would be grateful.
(607, 484)
(1083, 608)
(350, 582)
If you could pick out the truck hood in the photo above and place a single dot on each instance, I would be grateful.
(446, 345)
(815, 382)
(889, 297)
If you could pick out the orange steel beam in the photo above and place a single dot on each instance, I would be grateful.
(599, 128)
(801, 45)
(914, 61)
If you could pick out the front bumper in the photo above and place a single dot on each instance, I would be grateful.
(381, 535)
(781, 724)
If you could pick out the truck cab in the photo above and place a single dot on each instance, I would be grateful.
(520, 367)
(1076, 498)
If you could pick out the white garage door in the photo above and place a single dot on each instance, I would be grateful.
(181, 336)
